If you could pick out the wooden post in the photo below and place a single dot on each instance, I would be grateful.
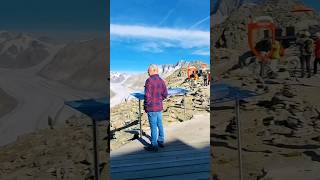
(184, 105)
(239, 139)
(140, 118)
(95, 150)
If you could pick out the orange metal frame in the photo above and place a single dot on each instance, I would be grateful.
(191, 70)
(259, 25)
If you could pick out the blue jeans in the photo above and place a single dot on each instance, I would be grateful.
(155, 121)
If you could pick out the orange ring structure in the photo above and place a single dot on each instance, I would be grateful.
(260, 25)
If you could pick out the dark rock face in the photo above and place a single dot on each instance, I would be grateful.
(230, 21)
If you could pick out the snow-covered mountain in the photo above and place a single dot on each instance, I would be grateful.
(122, 84)
(164, 71)
(85, 70)
(167, 69)
(117, 77)
(18, 50)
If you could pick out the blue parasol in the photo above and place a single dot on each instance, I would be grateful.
(97, 109)
(224, 93)
(171, 92)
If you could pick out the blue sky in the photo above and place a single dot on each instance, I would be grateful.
(313, 3)
(55, 17)
(144, 32)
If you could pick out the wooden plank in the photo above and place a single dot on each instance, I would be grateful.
(167, 148)
(155, 166)
(138, 146)
(192, 176)
(160, 172)
(159, 154)
(140, 163)
(157, 158)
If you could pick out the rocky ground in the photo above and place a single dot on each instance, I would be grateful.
(280, 127)
(124, 117)
(281, 124)
(7, 104)
(58, 153)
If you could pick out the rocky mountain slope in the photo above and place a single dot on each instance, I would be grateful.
(7, 104)
(86, 70)
(229, 39)
(222, 9)
(58, 153)
(64, 149)
(18, 50)
(234, 31)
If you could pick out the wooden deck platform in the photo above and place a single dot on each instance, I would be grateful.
(186, 154)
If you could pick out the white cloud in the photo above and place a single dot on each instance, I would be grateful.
(154, 47)
(182, 38)
(150, 47)
(199, 22)
(202, 52)
(166, 17)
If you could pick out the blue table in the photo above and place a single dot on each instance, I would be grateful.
(225, 93)
(171, 92)
(97, 110)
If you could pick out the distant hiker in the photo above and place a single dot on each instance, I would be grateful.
(196, 76)
(192, 79)
(155, 93)
(209, 78)
(317, 53)
(264, 47)
(275, 57)
(192, 76)
(205, 79)
(263, 63)
(276, 48)
(306, 50)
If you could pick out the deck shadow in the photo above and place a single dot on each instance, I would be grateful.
(172, 162)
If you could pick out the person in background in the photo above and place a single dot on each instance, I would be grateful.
(205, 79)
(264, 47)
(306, 50)
(155, 93)
(196, 76)
(209, 78)
(317, 53)
(200, 73)
(275, 56)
